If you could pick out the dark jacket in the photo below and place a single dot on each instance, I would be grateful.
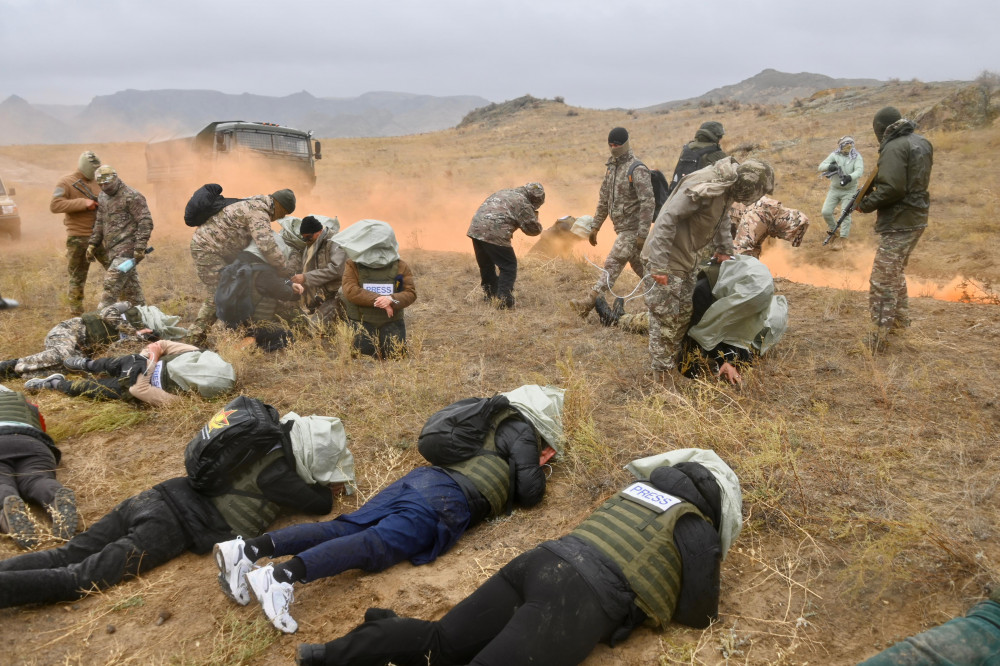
(204, 203)
(205, 526)
(904, 171)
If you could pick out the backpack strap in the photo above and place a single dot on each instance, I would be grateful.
(631, 168)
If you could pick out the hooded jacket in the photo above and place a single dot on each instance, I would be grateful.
(322, 267)
(900, 192)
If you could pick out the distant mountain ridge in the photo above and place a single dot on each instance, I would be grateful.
(141, 115)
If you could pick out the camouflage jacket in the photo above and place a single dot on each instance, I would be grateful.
(630, 204)
(762, 219)
(685, 225)
(502, 214)
(322, 266)
(123, 222)
(904, 172)
(70, 201)
(231, 229)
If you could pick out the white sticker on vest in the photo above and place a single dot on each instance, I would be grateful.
(650, 497)
(156, 378)
(380, 288)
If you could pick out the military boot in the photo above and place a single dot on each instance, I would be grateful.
(583, 306)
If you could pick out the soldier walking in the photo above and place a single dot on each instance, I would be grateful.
(76, 197)
(121, 231)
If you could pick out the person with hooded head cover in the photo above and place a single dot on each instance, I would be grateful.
(491, 230)
(89, 333)
(650, 554)
(900, 196)
(703, 151)
(844, 167)
(319, 265)
(416, 518)
(695, 215)
(159, 524)
(75, 197)
(377, 286)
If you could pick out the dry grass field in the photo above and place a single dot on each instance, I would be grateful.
(870, 483)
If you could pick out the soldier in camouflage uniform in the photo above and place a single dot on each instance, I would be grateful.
(492, 227)
(76, 197)
(763, 219)
(122, 230)
(900, 196)
(216, 243)
(627, 196)
(79, 336)
(696, 214)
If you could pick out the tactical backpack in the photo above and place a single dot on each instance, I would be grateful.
(691, 160)
(241, 433)
(235, 297)
(204, 203)
(661, 188)
(457, 432)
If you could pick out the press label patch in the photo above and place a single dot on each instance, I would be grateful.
(156, 378)
(650, 497)
(380, 288)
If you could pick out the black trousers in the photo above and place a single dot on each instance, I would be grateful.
(27, 469)
(137, 535)
(492, 258)
(121, 372)
(536, 610)
(382, 341)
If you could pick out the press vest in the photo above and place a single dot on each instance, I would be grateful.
(264, 307)
(244, 506)
(640, 540)
(382, 281)
(488, 472)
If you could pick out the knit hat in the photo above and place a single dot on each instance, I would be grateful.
(883, 118)
(310, 225)
(618, 135)
(711, 131)
(287, 200)
(88, 163)
(535, 193)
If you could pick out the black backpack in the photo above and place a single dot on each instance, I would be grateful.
(204, 203)
(235, 296)
(241, 433)
(661, 188)
(691, 160)
(456, 433)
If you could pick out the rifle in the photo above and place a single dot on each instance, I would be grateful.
(849, 208)
(84, 190)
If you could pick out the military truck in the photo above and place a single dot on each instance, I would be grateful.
(246, 158)
(10, 219)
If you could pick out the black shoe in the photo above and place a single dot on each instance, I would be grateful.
(373, 614)
(311, 653)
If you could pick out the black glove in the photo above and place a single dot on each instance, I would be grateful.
(832, 166)
(844, 180)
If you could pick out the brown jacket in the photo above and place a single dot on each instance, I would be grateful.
(72, 202)
(359, 296)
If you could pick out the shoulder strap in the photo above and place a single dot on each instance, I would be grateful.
(631, 168)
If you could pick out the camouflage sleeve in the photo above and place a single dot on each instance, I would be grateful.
(97, 235)
(643, 184)
(527, 220)
(139, 210)
(601, 213)
(295, 263)
(260, 231)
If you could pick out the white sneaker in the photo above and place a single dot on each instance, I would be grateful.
(233, 567)
(274, 597)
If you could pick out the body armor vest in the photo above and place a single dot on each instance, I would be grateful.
(384, 280)
(488, 472)
(244, 506)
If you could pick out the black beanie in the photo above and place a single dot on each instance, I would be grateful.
(310, 225)
(618, 135)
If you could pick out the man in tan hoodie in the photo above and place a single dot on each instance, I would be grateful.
(76, 197)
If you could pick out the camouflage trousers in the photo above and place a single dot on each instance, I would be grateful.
(625, 251)
(208, 265)
(836, 198)
(669, 315)
(120, 286)
(637, 323)
(78, 267)
(887, 299)
(64, 340)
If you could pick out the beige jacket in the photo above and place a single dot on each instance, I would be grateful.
(70, 201)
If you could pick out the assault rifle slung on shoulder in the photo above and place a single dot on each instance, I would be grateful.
(849, 208)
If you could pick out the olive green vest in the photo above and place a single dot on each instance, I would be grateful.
(14, 408)
(244, 507)
(264, 307)
(488, 472)
(640, 540)
(385, 275)
(100, 331)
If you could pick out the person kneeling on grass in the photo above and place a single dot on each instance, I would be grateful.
(650, 554)
(160, 523)
(28, 460)
(735, 316)
(162, 368)
(376, 287)
(418, 517)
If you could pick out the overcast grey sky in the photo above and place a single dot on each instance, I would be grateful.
(629, 53)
